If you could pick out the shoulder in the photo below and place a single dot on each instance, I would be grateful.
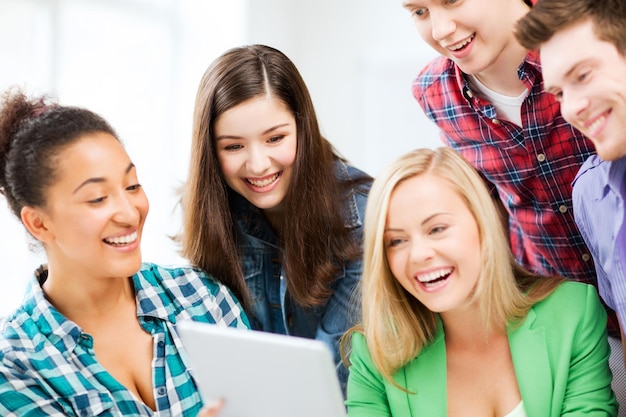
(557, 308)
(359, 344)
(170, 291)
(589, 189)
(435, 77)
(29, 325)
(186, 277)
(435, 69)
(355, 186)
(27, 345)
(592, 170)
(360, 181)
(360, 355)
(16, 332)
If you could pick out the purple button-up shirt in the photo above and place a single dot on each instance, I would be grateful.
(598, 200)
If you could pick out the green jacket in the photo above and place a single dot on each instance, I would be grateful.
(560, 354)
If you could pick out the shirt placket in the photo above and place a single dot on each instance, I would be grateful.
(276, 296)
(159, 376)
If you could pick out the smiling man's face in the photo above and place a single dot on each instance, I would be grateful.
(588, 76)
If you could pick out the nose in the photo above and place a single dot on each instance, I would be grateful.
(442, 24)
(258, 161)
(573, 105)
(126, 209)
(421, 251)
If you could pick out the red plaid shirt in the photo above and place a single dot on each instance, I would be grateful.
(530, 167)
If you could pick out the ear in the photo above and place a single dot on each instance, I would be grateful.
(34, 219)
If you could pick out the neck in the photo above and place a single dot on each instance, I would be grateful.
(276, 218)
(502, 77)
(83, 299)
(467, 328)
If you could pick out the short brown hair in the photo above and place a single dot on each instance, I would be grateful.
(548, 17)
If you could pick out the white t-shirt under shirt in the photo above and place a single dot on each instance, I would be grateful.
(508, 108)
(518, 411)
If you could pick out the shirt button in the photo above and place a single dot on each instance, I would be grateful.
(161, 391)
(161, 344)
(541, 157)
(586, 257)
(563, 209)
(495, 121)
(467, 93)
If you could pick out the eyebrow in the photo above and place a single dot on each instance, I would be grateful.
(97, 180)
(426, 220)
(550, 88)
(265, 132)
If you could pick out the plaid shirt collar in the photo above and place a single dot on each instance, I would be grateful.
(528, 71)
(64, 334)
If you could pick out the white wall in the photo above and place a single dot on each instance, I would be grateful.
(138, 63)
(358, 58)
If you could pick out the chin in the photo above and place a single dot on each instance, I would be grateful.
(130, 268)
(611, 153)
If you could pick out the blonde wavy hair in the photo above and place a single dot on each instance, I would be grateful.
(395, 324)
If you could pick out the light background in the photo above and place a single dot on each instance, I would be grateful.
(138, 64)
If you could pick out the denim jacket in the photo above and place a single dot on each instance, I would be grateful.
(273, 310)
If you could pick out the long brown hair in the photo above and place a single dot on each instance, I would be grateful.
(314, 235)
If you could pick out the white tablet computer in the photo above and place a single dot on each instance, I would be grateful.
(262, 374)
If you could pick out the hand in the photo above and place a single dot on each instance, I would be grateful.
(211, 409)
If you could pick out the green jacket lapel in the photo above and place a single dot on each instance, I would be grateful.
(532, 366)
(426, 377)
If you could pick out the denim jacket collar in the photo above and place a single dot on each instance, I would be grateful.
(254, 223)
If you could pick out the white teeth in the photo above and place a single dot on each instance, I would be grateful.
(596, 124)
(122, 240)
(434, 275)
(263, 183)
(461, 44)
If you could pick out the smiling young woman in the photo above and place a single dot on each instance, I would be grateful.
(96, 330)
(270, 207)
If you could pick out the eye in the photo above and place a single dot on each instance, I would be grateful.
(415, 10)
(97, 200)
(233, 147)
(134, 187)
(582, 76)
(393, 242)
(275, 139)
(420, 12)
(437, 229)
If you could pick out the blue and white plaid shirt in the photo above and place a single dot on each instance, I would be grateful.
(48, 366)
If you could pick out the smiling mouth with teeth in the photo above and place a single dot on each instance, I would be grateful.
(462, 44)
(265, 182)
(121, 240)
(592, 127)
(433, 278)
